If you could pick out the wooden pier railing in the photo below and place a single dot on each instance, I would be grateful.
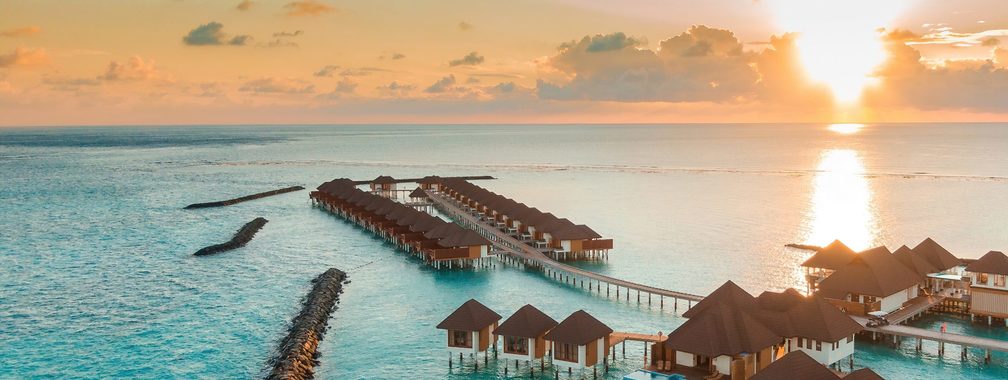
(520, 252)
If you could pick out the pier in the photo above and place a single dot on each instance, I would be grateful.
(517, 251)
(964, 341)
(240, 238)
(244, 199)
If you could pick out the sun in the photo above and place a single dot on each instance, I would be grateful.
(839, 42)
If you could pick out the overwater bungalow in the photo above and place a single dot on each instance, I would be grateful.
(732, 333)
(579, 341)
(384, 185)
(988, 287)
(524, 334)
(874, 281)
(824, 262)
(799, 365)
(470, 329)
(948, 268)
(431, 182)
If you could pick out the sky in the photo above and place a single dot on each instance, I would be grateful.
(164, 62)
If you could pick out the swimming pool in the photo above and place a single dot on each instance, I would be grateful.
(648, 375)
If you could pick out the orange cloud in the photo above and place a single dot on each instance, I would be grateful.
(134, 69)
(308, 8)
(245, 5)
(21, 32)
(25, 57)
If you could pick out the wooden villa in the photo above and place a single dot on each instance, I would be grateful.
(824, 262)
(524, 334)
(384, 185)
(948, 272)
(799, 365)
(874, 281)
(579, 341)
(989, 287)
(470, 329)
(730, 333)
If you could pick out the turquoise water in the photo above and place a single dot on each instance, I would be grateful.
(97, 278)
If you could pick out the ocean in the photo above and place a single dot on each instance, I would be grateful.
(97, 277)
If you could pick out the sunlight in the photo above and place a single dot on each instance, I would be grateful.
(838, 42)
(846, 128)
(841, 202)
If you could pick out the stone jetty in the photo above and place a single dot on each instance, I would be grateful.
(240, 238)
(297, 354)
(245, 198)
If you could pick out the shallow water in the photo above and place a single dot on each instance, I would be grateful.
(97, 278)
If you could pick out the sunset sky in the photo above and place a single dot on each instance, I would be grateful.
(381, 61)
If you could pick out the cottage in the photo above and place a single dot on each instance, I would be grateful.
(470, 329)
(579, 341)
(989, 287)
(524, 334)
(824, 262)
(384, 185)
(798, 365)
(873, 281)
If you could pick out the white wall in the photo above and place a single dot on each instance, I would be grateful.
(990, 281)
(723, 364)
(684, 359)
(827, 355)
(473, 350)
(896, 300)
(530, 356)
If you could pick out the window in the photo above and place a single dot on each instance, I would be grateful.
(515, 345)
(566, 352)
(818, 346)
(808, 344)
(458, 338)
(981, 278)
(850, 339)
(801, 342)
(999, 280)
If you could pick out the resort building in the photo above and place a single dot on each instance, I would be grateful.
(948, 268)
(874, 281)
(799, 365)
(824, 262)
(915, 262)
(524, 334)
(470, 329)
(989, 286)
(384, 185)
(579, 341)
(732, 333)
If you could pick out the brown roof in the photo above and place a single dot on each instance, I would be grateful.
(728, 293)
(383, 179)
(579, 328)
(527, 322)
(779, 301)
(795, 365)
(578, 232)
(722, 330)
(992, 262)
(443, 231)
(427, 223)
(471, 316)
(463, 238)
(431, 179)
(336, 184)
(418, 193)
(818, 319)
(874, 272)
(916, 262)
(832, 256)
(937, 255)
(863, 374)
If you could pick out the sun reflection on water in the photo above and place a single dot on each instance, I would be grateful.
(841, 202)
(846, 128)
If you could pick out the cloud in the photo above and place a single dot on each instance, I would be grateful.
(276, 42)
(940, 34)
(21, 32)
(397, 56)
(396, 89)
(442, 85)
(702, 64)
(990, 41)
(346, 86)
(465, 26)
(308, 8)
(288, 34)
(274, 85)
(362, 71)
(24, 57)
(212, 33)
(245, 5)
(972, 85)
(327, 71)
(134, 69)
(471, 59)
(1001, 56)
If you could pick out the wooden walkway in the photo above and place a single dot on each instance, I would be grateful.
(523, 253)
(964, 341)
(618, 337)
(917, 306)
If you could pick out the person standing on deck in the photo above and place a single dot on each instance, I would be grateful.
(944, 327)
